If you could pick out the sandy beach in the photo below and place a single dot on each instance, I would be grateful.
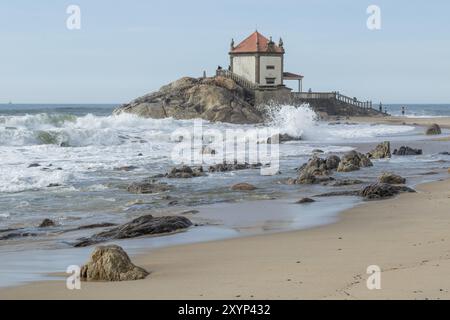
(407, 237)
(443, 122)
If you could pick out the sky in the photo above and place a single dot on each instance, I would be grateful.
(125, 49)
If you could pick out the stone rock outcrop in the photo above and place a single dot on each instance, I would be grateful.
(111, 263)
(243, 187)
(332, 162)
(145, 225)
(224, 167)
(407, 151)
(185, 172)
(433, 129)
(214, 99)
(381, 151)
(316, 170)
(382, 191)
(391, 178)
(305, 200)
(280, 138)
(148, 186)
(47, 223)
(353, 161)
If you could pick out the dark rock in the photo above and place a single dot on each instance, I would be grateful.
(407, 151)
(284, 137)
(305, 200)
(145, 225)
(224, 167)
(34, 165)
(125, 168)
(47, 223)
(148, 186)
(382, 191)
(391, 178)
(434, 129)
(353, 161)
(445, 153)
(53, 185)
(185, 172)
(332, 162)
(111, 263)
(243, 187)
(18, 233)
(381, 151)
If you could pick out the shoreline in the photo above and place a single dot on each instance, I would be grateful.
(325, 262)
(443, 122)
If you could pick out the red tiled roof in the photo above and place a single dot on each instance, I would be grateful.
(256, 43)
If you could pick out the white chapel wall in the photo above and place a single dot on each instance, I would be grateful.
(245, 66)
(271, 73)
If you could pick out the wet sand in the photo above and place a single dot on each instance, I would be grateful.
(443, 122)
(407, 237)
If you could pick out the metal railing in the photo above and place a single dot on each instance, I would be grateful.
(238, 79)
(332, 95)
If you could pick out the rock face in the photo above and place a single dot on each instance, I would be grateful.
(391, 178)
(47, 223)
(243, 187)
(382, 190)
(433, 129)
(145, 225)
(316, 170)
(332, 162)
(185, 172)
(353, 161)
(148, 186)
(224, 167)
(383, 150)
(214, 99)
(305, 200)
(407, 151)
(111, 263)
(280, 138)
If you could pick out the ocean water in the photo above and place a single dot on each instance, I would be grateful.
(61, 162)
(420, 110)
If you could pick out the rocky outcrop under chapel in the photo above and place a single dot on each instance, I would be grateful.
(216, 99)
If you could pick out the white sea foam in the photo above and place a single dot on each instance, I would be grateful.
(87, 144)
(303, 122)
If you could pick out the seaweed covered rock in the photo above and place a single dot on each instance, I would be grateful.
(145, 225)
(382, 191)
(407, 151)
